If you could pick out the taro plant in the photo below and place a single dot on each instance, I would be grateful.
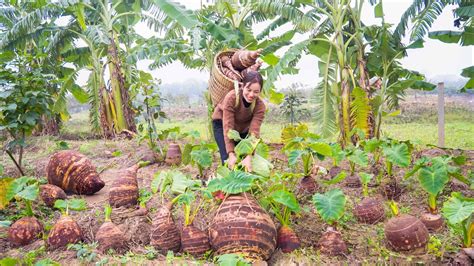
(302, 145)
(395, 153)
(369, 210)
(193, 240)
(199, 155)
(355, 156)
(253, 148)
(66, 230)
(330, 206)
(283, 204)
(28, 228)
(459, 210)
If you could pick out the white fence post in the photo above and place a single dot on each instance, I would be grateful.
(441, 114)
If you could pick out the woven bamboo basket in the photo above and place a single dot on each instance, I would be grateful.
(220, 84)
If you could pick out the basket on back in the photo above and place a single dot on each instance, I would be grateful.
(226, 68)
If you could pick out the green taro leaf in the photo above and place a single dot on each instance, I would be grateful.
(359, 157)
(180, 182)
(287, 199)
(233, 135)
(186, 155)
(433, 178)
(371, 145)
(321, 148)
(397, 154)
(29, 193)
(261, 166)
(232, 260)
(18, 185)
(9, 261)
(202, 157)
(293, 157)
(244, 147)
(234, 183)
(338, 178)
(330, 205)
(365, 178)
(160, 182)
(263, 150)
(457, 210)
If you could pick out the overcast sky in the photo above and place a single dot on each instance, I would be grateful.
(435, 59)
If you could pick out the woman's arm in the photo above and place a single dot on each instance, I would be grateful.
(228, 120)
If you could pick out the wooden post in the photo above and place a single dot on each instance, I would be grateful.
(441, 114)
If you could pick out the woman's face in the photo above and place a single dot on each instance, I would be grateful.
(251, 91)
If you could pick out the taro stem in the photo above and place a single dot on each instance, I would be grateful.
(394, 207)
(432, 204)
(29, 210)
(107, 212)
(388, 165)
(468, 232)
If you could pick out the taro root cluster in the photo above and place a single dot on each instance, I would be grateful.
(236, 66)
(73, 172)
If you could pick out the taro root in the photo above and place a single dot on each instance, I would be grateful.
(353, 181)
(65, 231)
(230, 74)
(124, 190)
(287, 239)
(109, 236)
(173, 155)
(369, 211)
(227, 64)
(254, 67)
(194, 241)
(406, 233)
(242, 59)
(307, 186)
(24, 231)
(392, 190)
(333, 172)
(242, 226)
(165, 235)
(73, 172)
(50, 193)
(433, 222)
(331, 243)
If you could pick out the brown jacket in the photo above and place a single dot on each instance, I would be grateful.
(241, 119)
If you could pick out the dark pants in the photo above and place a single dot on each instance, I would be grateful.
(219, 136)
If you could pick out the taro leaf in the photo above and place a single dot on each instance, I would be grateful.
(337, 153)
(77, 204)
(359, 157)
(365, 178)
(46, 262)
(290, 132)
(17, 186)
(371, 145)
(244, 147)
(160, 182)
(262, 150)
(338, 178)
(261, 166)
(330, 205)
(60, 204)
(433, 178)
(29, 192)
(5, 224)
(293, 157)
(456, 209)
(4, 185)
(222, 171)
(459, 160)
(9, 261)
(287, 199)
(180, 182)
(232, 260)
(397, 154)
(186, 198)
(233, 135)
(234, 183)
(186, 156)
(202, 158)
(321, 148)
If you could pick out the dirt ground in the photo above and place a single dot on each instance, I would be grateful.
(365, 242)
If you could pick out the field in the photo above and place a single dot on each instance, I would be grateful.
(366, 243)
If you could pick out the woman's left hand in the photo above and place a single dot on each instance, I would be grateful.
(247, 163)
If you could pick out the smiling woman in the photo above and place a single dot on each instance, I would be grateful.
(241, 110)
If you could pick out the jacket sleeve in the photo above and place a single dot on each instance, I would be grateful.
(257, 118)
(228, 120)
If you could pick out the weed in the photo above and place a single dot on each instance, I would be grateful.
(85, 252)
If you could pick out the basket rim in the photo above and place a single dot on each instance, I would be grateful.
(216, 64)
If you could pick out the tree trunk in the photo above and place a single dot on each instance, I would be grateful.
(364, 83)
(345, 122)
(48, 126)
(106, 120)
(125, 116)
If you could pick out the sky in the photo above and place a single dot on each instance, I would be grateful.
(436, 59)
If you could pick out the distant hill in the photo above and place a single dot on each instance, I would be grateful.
(187, 92)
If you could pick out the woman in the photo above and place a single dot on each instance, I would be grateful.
(245, 116)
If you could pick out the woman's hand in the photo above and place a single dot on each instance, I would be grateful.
(231, 160)
(247, 163)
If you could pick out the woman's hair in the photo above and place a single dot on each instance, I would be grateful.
(253, 77)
